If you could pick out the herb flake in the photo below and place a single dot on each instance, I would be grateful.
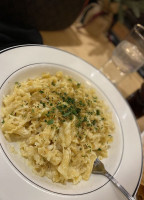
(3, 121)
(98, 112)
(43, 104)
(51, 121)
(41, 91)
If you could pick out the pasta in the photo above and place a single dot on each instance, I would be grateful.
(60, 124)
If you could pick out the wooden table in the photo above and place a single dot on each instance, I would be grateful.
(96, 50)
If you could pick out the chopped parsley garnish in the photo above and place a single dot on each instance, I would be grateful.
(47, 98)
(78, 85)
(66, 114)
(53, 109)
(95, 99)
(70, 107)
(32, 110)
(53, 84)
(78, 124)
(69, 79)
(94, 122)
(51, 121)
(99, 149)
(41, 91)
(81, 103)
(76, 111)
(90, 113)
(98, 112)
(50, 112)
(70, 100)
(88, 102)
(61, 107)
(13, 113)
(43, 104)
(85, 119)
(3, 121)
(18, 84)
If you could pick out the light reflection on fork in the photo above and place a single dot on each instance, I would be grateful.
(99, 168)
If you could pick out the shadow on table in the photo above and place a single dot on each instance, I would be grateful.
(103, 47)
(65, 37)
(101, 43)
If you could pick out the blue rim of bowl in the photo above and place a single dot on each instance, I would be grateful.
(46, 46)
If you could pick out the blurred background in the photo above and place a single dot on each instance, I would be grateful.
(19, 20)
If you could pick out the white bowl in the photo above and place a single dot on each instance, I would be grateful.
(125, 156)
(112, 163)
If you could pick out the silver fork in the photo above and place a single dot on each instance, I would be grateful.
(98, 168)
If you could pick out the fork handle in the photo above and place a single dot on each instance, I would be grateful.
(119, 186)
